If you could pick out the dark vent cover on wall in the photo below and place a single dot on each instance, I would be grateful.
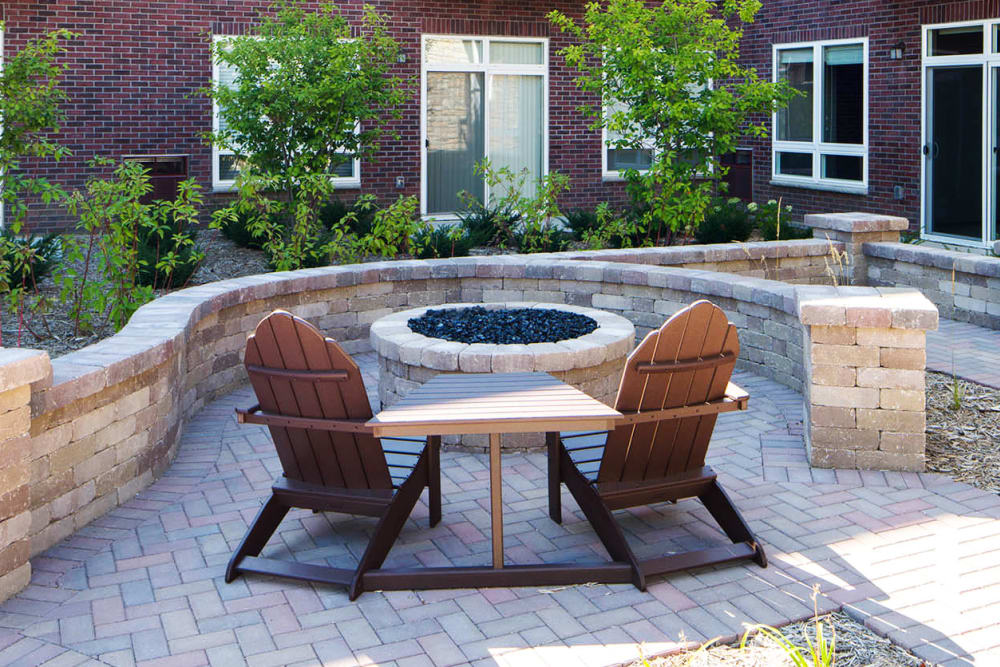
(165, 172)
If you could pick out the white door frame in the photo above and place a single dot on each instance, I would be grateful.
(488, 70)
(988, 59)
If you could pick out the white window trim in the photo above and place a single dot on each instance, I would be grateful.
(614, 175)
(488, 69)
(816, 147)
(227, 185)
(990, 63)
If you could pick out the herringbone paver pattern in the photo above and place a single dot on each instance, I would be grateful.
(968, 351)
(913, 555)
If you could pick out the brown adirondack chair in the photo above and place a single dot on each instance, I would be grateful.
(312, 398)
(675, 384)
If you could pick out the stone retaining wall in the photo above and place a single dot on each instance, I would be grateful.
(106, 420)
(964, 286)
(803, 261)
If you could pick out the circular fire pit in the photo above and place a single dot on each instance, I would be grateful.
(591, 360)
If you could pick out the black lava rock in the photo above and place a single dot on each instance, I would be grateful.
(502, 326)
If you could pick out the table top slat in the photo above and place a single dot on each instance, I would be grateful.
(461, 403)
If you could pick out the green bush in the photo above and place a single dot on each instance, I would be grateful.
(581, 220)
(23, 258)
(236, 228)
(153, 249)
(432, 242)
(725, 221)
(772, 219)
(490, 225)
(333, 212)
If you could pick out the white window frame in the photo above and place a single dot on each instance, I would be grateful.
(226, 185)
(990, 63)
(614, 175)
(488, 69)
(817, 148)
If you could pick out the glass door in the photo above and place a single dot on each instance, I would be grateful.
(994, 157)
(455, 138)
(482, 98)
(953, 151)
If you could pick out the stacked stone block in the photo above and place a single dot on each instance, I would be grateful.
(865, 374)
(18, 370)
(851, 231)
(964, 286)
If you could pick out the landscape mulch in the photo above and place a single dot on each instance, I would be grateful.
(855, 646)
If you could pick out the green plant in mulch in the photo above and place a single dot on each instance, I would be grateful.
(726, 220)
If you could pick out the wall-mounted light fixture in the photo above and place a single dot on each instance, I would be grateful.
(897, 50)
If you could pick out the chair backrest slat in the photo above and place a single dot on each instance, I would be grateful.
(700, 340)
(348, 460)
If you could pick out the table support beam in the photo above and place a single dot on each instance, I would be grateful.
(496, 501)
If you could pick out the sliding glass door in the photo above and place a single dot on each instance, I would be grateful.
(482, 98)
(953, 151)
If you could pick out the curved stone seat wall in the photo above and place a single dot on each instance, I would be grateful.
(105, 420)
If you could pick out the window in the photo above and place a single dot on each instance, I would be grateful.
(618, 159)
(480, 97)
(225, 163)
(821, 137)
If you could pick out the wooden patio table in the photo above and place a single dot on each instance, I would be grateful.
(469, 403)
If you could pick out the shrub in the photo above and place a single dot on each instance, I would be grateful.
(725, 221)
(432, 242)
(236, 228)
(581, 220)
(489, 225)
(772, 221)
(185, 258)
(25, 260)
(334, 213)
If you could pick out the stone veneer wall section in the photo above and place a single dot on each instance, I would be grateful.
(964, 286)
(850, 232)
(802, 261)
(107, 419)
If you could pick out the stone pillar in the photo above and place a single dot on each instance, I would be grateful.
(18, 369)
(854, 230)
(864, 388)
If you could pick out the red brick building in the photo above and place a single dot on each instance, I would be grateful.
(900, 113)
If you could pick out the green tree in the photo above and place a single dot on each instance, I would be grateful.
(30, 111)
(311, 92)
(669, 79)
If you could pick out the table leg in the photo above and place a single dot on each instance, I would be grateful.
(496, 501)
(555, 500)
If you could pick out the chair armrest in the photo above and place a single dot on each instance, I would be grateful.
(738, 395)
(256, 416)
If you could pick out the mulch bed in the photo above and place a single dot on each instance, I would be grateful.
(856, 646)
(963, 431)
(54, 332)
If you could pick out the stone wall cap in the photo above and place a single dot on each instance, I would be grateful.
(856, 222)
(948, 260)
(897, 309)
(20, 366)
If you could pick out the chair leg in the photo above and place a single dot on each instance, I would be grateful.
(555, 477)
(389, 525)
(722, 509)
(434, 478)
(600, 517)
(260, 531)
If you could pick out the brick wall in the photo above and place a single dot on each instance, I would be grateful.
(893, 94)
(136, 69)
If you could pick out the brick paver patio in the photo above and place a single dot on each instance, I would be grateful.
(969, 351)
(914, 555)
